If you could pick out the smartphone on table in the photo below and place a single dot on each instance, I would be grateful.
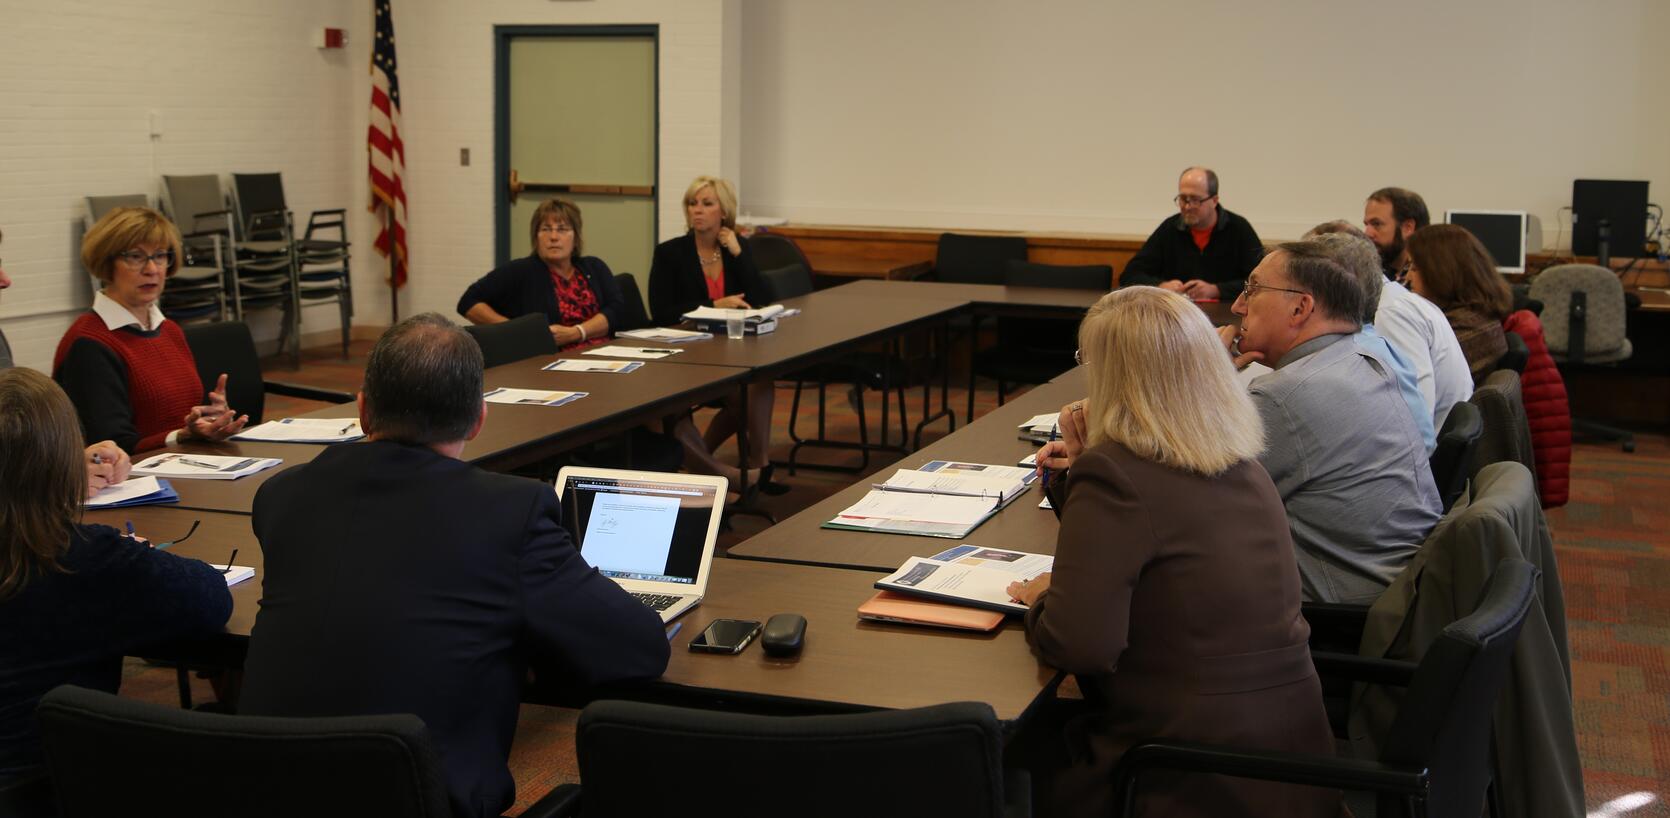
(726, 636)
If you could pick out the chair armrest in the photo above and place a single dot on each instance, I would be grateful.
(1363, 668)
(562, 802)
(296, 390)
(1292, 768)
(338, 221)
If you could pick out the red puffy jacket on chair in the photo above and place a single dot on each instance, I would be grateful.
(1546, 410)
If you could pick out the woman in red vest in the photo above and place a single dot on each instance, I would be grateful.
(126, 368)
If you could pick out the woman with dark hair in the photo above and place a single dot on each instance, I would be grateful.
(74, 599)
(575, 292)
(125, 366)
(1450, 268)
(1453, 270)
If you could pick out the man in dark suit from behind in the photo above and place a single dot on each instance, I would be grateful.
(400, 579)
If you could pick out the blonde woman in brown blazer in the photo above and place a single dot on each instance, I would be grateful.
(1175, 595)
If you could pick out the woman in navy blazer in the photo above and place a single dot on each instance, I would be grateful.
(576, 293)
(711, 266)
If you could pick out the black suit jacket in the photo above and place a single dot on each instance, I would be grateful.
(402, 581)
(676, 284)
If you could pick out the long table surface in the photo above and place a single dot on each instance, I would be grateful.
(513, 435)
(830, 322)
(993, 438)
(1000, 298)
(841, 663)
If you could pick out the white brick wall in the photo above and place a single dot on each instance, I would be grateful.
(239, 86)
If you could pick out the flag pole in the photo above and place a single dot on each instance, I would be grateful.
(394, 262)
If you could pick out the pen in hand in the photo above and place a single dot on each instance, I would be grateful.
(673, 631)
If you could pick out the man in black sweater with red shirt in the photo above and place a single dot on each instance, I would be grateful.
(1204, 252)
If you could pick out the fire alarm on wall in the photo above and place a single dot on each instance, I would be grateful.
(330, 38)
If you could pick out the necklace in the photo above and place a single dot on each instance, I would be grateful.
(718, 256)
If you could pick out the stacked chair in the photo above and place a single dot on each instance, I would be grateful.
(261, 271)
(197, 290)
(319, 264)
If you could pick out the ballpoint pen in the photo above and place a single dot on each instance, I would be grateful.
(673, 631)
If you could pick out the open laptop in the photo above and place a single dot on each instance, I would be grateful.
(650, 532)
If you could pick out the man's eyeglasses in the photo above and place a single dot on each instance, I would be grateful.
(137, 259)
(1252, 288)
(1191, 201)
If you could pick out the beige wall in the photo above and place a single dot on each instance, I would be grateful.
(1078, 114)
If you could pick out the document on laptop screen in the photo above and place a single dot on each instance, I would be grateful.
(631, 533)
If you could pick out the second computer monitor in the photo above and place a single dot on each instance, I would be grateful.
(1622, 204)
(1502, 232)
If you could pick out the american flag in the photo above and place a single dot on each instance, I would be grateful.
(388, 153)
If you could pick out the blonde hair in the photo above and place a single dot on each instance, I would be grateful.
(722, 191)
(122, 230)
(1162, 386)
(42, 477)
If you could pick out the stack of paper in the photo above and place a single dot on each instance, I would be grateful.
(304, 430)
(665, 335)
(1039, 428)
(709, 315)
(941, 499)
(533, 397)
(203, 466)
(236, 573)
(573, 365)
(139, 491)
(618, 351)
(968, 575)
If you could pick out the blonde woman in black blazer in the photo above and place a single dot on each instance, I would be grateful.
(711, 266)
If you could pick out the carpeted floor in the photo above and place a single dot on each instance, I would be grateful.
(1610, 539)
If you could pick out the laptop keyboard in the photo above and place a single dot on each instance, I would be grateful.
(657, 602)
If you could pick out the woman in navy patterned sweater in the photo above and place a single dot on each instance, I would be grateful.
(74, 599)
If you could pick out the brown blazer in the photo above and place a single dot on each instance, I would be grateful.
(1175, 600)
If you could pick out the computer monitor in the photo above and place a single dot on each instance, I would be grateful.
(1622, 204)
(1502, 232)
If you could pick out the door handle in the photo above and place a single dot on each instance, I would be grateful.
(517, 187)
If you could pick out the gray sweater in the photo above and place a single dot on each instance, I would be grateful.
(1350, 466)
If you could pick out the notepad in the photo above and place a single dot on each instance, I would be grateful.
(618, 351)
(888, 606)
(969, 575)
(943, 498)
(574, 365)
(304, 430)
(137, 491)
(1039, 428)
(236, 573)
(203, 466)
(665, 335)
(532, 397)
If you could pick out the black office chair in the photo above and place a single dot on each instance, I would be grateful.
(1456, 441)
(940, 760)
(517, 339)
(964, 259)
(115, 756)
(635, 315)
(772, 251)
(884, 372)
(1506, 432)
(28, 797)
(1036, 350)
(227, 347)
(1435, 761)
(1516, 356)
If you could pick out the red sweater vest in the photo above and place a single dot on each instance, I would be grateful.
(162, 375)
(1546, 410)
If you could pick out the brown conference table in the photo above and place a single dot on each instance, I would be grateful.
(837, 669)
(994, 438)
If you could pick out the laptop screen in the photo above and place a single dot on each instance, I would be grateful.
(643, 529)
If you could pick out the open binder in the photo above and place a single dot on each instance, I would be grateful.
(943, 498)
